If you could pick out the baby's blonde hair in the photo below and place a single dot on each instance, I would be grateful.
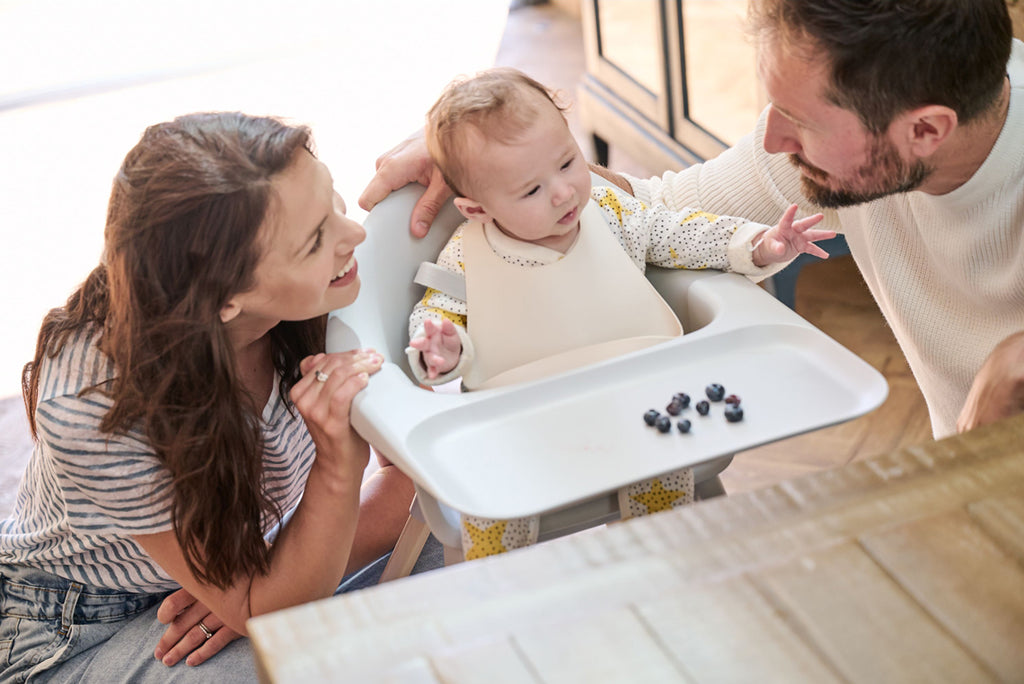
(493, 102)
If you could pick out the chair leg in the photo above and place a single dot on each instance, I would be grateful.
(709, 488)
(407, 550)
(453, 555)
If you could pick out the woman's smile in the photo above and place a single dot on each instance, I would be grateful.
(347, 274)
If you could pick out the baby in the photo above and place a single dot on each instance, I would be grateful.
(553, 267)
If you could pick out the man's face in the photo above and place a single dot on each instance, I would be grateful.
(841, 162)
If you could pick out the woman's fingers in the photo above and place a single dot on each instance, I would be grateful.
(307, 364)
(336, 373)
(324, 397)
(173, 605)
(183, 635)
(317, 372)
(180, 622)
(203, 635)
(209, 647)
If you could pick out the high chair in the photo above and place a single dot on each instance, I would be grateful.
(561, 447)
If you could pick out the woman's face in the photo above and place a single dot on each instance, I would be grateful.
(308, 267)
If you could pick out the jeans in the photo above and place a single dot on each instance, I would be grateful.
(56, 630)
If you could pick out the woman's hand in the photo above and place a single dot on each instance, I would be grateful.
(409, 162)
(186, 636)
(323, 398)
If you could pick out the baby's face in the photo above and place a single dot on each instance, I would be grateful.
(536, 187)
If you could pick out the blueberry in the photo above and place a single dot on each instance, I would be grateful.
(651, 416)
(703, 407)
(663, 423)
(682, 397)
(732, 399)
(683, 425)
(675, 407)
(715, 391)
(733, 413)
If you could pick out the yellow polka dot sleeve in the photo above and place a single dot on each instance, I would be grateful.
(685, 239)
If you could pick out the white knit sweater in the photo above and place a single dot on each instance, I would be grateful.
(947, 271)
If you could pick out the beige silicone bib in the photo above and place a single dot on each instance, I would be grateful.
(531, 322)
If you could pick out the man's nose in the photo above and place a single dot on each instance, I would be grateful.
(780, 134)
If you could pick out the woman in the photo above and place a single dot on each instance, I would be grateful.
(181, 404)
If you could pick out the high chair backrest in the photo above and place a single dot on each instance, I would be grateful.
(391, 256)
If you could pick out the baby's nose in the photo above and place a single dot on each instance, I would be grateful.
(563, 192)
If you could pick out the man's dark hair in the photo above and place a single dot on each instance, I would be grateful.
(889, 56)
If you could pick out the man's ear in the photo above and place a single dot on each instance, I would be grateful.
(473, 211)
(926, 128)
(230, 311)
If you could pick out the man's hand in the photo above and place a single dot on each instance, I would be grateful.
(790, 238)
(439, 347)
(185, 636)
(409, 162)
(998, 389)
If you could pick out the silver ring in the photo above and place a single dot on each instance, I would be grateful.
(321, 376)
(206, 630)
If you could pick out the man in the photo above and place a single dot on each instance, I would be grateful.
(904, 121)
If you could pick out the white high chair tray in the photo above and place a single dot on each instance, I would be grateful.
(542, 446)
(564, 440)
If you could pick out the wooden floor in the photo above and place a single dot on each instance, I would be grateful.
(546, 42)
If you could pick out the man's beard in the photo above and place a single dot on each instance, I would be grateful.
(889, 175)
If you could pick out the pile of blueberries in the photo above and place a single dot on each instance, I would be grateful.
(681, 400)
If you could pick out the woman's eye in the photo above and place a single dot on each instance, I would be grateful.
(318, 242)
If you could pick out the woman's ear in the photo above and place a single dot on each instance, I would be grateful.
(926, 128)
(473, 211)
(230, 311)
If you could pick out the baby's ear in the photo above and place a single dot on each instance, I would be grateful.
(473, 211)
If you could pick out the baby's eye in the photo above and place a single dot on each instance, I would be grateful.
(533, 191)
(567, 164)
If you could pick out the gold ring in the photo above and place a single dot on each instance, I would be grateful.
(206, 630)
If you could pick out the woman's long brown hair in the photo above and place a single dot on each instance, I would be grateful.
(182, 237)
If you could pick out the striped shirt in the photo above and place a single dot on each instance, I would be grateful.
(85, 493)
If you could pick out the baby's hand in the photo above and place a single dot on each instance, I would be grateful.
(789, 239)
(439, 347)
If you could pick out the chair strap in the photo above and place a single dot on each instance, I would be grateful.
(433, 276)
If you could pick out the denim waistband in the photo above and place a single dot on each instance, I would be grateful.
(36, 594)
